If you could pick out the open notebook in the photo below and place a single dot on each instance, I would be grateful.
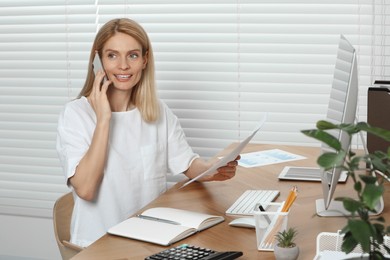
(164, 226)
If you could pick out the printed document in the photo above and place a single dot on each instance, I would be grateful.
(231, 156)
(267, 157)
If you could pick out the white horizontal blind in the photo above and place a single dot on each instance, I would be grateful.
(220, 65)
(380, 56)
(42, 56)
(288, 52)
(196, 52)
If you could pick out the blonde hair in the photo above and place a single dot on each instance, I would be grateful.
(143, 95)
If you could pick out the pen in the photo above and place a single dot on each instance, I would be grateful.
(265, 216)
(158, 219)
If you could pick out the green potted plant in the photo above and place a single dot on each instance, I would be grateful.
(368, 172)
(285, 248)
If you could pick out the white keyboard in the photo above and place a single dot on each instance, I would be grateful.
(245, 204)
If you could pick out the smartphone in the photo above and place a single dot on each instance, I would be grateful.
(97, 65)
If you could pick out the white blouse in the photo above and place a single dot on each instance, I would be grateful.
(140, 156)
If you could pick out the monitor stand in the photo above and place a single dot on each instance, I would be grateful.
(336, 208)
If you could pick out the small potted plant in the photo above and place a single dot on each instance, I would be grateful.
(368, 173)
(285, 248)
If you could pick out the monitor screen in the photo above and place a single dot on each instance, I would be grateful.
(341, 109)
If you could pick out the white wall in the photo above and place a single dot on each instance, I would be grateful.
(28, 237)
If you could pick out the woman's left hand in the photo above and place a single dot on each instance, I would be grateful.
(223, 173)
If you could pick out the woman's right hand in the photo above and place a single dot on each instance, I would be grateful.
(89, 173)
(98, 98)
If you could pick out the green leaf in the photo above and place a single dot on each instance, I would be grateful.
(361, 232)
(355, 162)
(349, 243)
(330, 160)
(379, 229)
(380, 219)
(351, 129)
(380, 155)
(325, 125)
(380, 132)
(380, 161)
(358, 186)
(351, 205)
(324, 137)
(371, 195)
(368, 179)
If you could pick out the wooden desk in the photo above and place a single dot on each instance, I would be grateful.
(216, 197)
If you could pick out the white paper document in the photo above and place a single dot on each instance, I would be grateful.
(267, 157)
(231, 156)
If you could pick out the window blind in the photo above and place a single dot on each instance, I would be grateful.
(380, 43)
(219, 65)
(42, 59)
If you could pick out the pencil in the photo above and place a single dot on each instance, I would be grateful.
(290, 199)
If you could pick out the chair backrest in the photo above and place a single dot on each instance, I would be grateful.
(62, 214)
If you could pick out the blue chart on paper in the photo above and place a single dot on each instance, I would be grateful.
(267, 157)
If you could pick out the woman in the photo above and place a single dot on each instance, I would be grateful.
(117, 141)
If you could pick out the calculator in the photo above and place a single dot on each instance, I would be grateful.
(185, 251)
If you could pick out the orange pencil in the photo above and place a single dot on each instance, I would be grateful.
(290, 199)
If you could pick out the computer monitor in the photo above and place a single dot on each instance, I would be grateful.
(341, 109)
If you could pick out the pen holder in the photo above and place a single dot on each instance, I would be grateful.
(268, 224)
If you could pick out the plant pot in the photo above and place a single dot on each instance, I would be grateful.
(286, 253)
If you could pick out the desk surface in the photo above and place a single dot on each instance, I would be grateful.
(216, 197)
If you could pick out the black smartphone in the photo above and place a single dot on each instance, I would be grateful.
(97, 65)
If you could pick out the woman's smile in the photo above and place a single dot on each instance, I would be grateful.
(122, 77)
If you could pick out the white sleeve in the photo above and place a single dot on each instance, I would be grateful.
(73, 140)
(180, 153)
